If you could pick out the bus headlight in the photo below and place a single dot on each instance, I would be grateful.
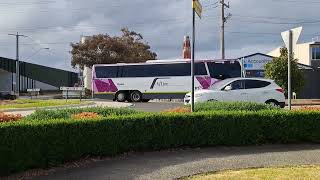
(198, 95)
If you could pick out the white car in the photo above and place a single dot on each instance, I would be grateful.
(241, 90)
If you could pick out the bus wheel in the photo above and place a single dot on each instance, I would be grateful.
(121, 96)
(136, 96)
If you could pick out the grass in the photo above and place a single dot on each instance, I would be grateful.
(284, 173)
(28, 103)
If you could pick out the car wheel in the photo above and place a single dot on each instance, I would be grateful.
(136, 96)
(273, 103)
(121, 96)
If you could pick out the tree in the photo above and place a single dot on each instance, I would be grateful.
(277, 70)
(105, 49)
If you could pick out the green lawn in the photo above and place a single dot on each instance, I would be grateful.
(28, 103)
(282, 173)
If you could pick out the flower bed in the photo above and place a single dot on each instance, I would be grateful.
(8, 117)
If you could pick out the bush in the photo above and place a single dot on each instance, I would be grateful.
(67, 113)
(232, 106)
(38, 143)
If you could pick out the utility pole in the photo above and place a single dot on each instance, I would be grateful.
(17, 62)
(223, 21)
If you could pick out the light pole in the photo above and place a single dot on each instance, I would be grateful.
(36, 53)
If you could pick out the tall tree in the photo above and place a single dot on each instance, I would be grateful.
(105, 49)
(277, 70)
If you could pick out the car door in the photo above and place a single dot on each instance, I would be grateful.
(235, 91)
(256, 91)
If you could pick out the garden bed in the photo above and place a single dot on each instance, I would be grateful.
(28, 103)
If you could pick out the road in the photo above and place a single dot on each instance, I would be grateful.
(179, 163)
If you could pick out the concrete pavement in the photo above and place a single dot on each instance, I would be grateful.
(179, 163)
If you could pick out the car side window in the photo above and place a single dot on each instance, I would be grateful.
(236, 85)
(254, 84)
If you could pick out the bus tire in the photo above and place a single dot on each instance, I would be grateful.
(121, 96)
(136, 96)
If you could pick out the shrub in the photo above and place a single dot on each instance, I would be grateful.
(67, 113)
(232, 106)
(38, 143)
(8, 117)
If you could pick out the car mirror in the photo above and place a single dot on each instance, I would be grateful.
(228, 88)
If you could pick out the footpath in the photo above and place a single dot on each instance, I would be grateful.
(180, 163)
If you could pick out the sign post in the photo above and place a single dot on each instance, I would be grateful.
(196, 8)
(290, 39)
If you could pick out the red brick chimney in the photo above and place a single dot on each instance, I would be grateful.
(186, 48)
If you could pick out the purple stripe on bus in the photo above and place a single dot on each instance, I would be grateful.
(206, 82)
(105, 86)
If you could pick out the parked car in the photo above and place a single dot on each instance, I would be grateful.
(242, 90)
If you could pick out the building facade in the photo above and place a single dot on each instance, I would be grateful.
(306, 53)
(254, 64)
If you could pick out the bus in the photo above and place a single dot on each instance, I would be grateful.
(158, 79)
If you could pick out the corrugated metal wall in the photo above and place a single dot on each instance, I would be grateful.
(51, 76)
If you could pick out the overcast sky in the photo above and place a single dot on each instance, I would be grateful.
(255, 25)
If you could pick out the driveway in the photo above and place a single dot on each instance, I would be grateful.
(178, 163)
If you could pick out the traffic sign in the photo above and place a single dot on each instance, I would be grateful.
(295, 36)
(196, 5)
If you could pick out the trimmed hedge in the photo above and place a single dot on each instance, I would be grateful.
(40, 144)
(233, 106)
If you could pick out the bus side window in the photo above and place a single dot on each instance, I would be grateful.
(200, 69)
(106, 71)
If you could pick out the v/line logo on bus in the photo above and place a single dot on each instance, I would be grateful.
(159, 83)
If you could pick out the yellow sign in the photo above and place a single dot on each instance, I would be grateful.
(196, 5)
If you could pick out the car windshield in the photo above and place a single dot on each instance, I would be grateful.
(220, 84)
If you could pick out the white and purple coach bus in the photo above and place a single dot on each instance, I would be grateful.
(158, 79)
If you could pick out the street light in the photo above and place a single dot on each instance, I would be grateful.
(36, 53)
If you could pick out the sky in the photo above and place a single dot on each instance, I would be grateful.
(254, 26)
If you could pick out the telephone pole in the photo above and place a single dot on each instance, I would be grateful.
(223, 21)
(17, 62)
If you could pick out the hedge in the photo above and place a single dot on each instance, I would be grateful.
(233, 106)
(41, 144)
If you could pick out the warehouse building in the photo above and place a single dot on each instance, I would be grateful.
(33, 76)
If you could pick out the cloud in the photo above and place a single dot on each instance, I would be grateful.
(254, 27)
